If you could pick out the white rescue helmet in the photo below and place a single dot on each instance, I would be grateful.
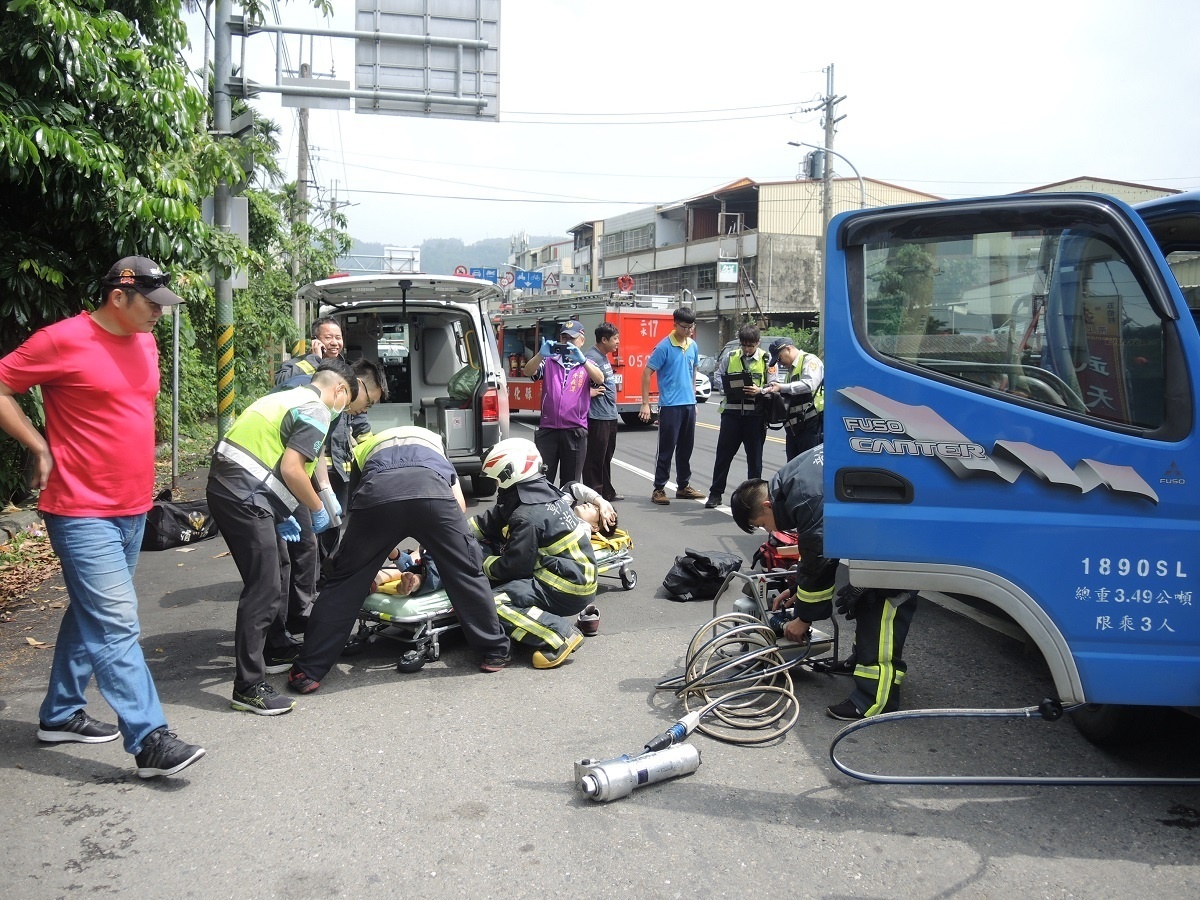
(512, 461)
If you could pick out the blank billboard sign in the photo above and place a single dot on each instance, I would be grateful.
(442, 57)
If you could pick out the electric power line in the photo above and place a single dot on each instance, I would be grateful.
(500, 199)
(681, 112)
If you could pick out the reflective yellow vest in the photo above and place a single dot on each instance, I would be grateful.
(254, 443)
(735, 400)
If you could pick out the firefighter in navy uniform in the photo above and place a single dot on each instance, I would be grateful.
(794, 499)
(537, 551)
(803, 391)
(408, 488)
(743, 423)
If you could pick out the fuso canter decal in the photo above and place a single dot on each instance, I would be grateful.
(899, 429)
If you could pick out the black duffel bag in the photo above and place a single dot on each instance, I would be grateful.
(170, 524)
(699, 574)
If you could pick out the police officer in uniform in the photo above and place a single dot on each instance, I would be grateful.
(743, 423)
(261, 472)
(803, 390)
(307, 553)
(327, 344)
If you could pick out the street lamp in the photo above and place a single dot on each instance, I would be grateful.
(862, 191)
(862, 202)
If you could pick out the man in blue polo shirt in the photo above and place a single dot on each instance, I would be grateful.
(674, 360)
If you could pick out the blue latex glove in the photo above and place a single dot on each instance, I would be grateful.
(329, 498)
(574, 354)
(547, 349)
(288, 530)
(320, 520)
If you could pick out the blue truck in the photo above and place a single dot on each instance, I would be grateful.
(1012, 396)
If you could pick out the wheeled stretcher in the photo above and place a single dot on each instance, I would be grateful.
(418, 621)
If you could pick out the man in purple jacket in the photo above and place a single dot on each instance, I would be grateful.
(567, 377)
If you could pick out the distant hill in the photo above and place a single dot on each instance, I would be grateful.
(440, 256)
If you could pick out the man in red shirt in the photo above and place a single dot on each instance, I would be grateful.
(95, 470)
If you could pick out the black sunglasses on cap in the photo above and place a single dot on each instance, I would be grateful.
(149, 282)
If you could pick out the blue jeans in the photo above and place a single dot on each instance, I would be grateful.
(99, 631)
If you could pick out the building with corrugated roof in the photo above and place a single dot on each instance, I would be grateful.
(1128, 191)
(745, 250)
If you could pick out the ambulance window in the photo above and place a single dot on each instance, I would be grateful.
(1049, 317)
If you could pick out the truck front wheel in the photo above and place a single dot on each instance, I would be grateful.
(1109, 725)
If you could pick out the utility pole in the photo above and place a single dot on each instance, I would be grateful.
(334, 206)
(300, 210)
(830, 102)
(831, 121)
(222, 217)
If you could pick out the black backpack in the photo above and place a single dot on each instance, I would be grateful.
(699, 574)
(175, 523)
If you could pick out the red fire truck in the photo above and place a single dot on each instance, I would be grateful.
(642, 320)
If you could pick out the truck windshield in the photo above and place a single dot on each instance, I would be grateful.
(1051, 316)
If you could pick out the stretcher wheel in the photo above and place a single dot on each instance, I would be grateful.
(411, 661)
(355, 646)
(628, 578)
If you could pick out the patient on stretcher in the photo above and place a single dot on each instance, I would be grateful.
(603, 524)
(406, 574)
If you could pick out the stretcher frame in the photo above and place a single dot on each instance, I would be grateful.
(418, 621)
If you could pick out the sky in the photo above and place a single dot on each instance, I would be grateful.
(609, 107)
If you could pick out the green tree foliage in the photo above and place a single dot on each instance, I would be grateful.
(263, 311)
(104, 153)
(904, 293)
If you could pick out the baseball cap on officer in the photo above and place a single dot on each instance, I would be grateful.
(777, 345)
(137, 273)
(572, 329)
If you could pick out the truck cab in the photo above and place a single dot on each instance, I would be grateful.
(1011, 395)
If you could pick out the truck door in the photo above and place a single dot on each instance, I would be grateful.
(1010, 415)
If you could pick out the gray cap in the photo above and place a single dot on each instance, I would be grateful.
(143, 275)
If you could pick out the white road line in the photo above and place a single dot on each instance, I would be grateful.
(649, 476)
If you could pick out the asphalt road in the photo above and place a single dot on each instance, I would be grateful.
(449, 782)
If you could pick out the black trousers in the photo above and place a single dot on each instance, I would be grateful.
(562, 447)
(737, 431)
(305, 558)
(597, 465)
(537, 616)
(882, 620)
(371, 532)
(262, 561)
(796, 442)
